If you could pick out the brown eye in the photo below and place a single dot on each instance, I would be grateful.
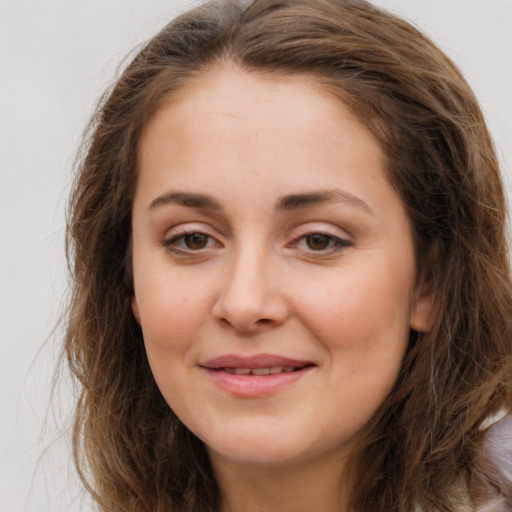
(196, 241)
(318, 241)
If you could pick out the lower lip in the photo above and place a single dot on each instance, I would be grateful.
(254, 386)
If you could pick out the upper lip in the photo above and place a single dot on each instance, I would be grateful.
(255, 361)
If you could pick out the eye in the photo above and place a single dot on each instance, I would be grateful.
(195, 241)
(320, 242)
(191, 241)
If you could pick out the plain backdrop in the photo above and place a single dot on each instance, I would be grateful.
(56, 57)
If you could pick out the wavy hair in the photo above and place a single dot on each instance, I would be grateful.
(425, 446)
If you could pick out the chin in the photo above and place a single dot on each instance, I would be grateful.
(269, 445)
(258, 454)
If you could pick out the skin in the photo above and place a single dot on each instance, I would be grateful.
(257, 282)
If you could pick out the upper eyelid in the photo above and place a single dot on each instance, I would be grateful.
(184, 233)
(174, 234)
(344, 241)
(319, 227)
(192, 227)
(295, 235)
(172, 244)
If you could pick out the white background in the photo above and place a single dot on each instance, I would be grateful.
(56, 56)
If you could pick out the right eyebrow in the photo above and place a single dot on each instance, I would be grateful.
(189, 199)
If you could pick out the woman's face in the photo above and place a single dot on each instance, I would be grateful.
(274, 268)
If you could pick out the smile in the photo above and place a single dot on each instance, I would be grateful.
(255, 376)
(273, 370)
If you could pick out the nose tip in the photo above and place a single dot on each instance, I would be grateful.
(248, 321)
(251, 301)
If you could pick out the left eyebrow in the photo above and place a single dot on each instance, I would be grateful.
(304, 200)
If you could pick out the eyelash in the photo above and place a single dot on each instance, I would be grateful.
(334, 244)
(171, 244)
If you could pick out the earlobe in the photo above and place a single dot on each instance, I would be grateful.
(135, 310)
(422, 314)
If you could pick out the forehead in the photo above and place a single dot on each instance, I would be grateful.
(246, 130)
(225, 107)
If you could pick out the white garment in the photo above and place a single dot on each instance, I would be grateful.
(499, 449)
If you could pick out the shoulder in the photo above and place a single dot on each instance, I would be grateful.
(499, 451)
(499, 445)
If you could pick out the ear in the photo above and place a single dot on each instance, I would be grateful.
(135, 310)
(422, 312)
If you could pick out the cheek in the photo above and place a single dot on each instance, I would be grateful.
(362, 321)
(352, 307)
(172, 312)
(365, 331)
(172, 315)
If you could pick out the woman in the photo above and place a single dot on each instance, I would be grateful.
(291, 279)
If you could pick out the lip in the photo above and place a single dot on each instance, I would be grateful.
(255, 361)
(255, 386)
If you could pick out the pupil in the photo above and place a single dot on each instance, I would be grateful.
(317, 241)
(195, 241)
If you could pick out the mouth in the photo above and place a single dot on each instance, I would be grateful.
(270, 370)
(255, 376)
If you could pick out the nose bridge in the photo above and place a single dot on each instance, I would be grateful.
(249, 274)
(250, 297)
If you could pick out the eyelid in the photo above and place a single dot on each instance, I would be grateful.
(180, 232)
(339, 242)
(341, 238)
(325, 228)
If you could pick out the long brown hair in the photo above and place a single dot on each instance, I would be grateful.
(425, 445)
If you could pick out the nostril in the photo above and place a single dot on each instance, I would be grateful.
(249, 326)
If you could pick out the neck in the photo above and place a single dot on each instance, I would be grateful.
(286, 488)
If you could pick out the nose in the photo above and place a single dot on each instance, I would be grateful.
(252, 298)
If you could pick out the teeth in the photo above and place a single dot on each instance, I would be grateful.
(261, 371)
(273, 370)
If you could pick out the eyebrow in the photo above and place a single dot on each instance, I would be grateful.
(188, 199)
(297, 201)
(286, 203)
